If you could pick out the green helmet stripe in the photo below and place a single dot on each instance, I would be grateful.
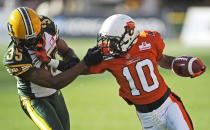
(27, 22)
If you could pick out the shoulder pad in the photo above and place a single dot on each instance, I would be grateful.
(15, 56)
(153, 34)
(48, 25)
(17, 61)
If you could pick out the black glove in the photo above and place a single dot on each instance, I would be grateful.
(64, 65)
(93, 56)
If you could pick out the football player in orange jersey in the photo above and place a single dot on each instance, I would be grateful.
(133, 59)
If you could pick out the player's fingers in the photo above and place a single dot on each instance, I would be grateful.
(201, 62)
(198, 73)
(203, 65)
(203, 68)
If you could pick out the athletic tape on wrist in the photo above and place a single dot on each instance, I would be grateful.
(54, 63)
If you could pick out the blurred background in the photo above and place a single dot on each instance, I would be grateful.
(165, 16)
(93, 100)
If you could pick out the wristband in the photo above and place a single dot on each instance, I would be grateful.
(54, 63)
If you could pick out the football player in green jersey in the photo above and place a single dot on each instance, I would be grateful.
(30, 58)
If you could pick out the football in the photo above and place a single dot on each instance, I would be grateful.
(188, 66)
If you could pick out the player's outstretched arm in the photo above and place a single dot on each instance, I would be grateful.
(46, 79)
(166, 61)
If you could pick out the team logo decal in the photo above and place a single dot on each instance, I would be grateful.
(144, 46)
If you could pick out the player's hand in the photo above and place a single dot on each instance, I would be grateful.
(188, 66)
(42, 54)
(93, 56)
(202, 70)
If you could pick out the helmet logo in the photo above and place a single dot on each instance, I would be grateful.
(129, 28)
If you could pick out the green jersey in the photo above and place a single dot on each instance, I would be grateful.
(21, 62)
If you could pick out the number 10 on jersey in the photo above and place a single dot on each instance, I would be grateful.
(141, 74)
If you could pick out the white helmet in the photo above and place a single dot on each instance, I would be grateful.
(118, 33)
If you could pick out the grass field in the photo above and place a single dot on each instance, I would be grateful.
(93, 100)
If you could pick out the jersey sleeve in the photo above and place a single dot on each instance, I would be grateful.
(20, 70)
(49, 26)
(17, 63)
(96, 69)
(160, 45)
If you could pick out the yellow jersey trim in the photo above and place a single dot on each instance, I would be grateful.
(21, 72)
(11, 66)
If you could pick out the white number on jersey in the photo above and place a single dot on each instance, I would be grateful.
(141, 74)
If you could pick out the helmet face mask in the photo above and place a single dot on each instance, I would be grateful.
(118, 34)
(24, 27)
(113, 43)
(31, 43)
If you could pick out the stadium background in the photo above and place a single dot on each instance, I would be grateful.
(93, 100)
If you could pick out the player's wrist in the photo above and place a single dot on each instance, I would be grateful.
(84, 64)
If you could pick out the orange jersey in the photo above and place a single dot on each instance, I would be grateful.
(136, 71)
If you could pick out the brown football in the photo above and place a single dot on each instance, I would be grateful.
(186, 66)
